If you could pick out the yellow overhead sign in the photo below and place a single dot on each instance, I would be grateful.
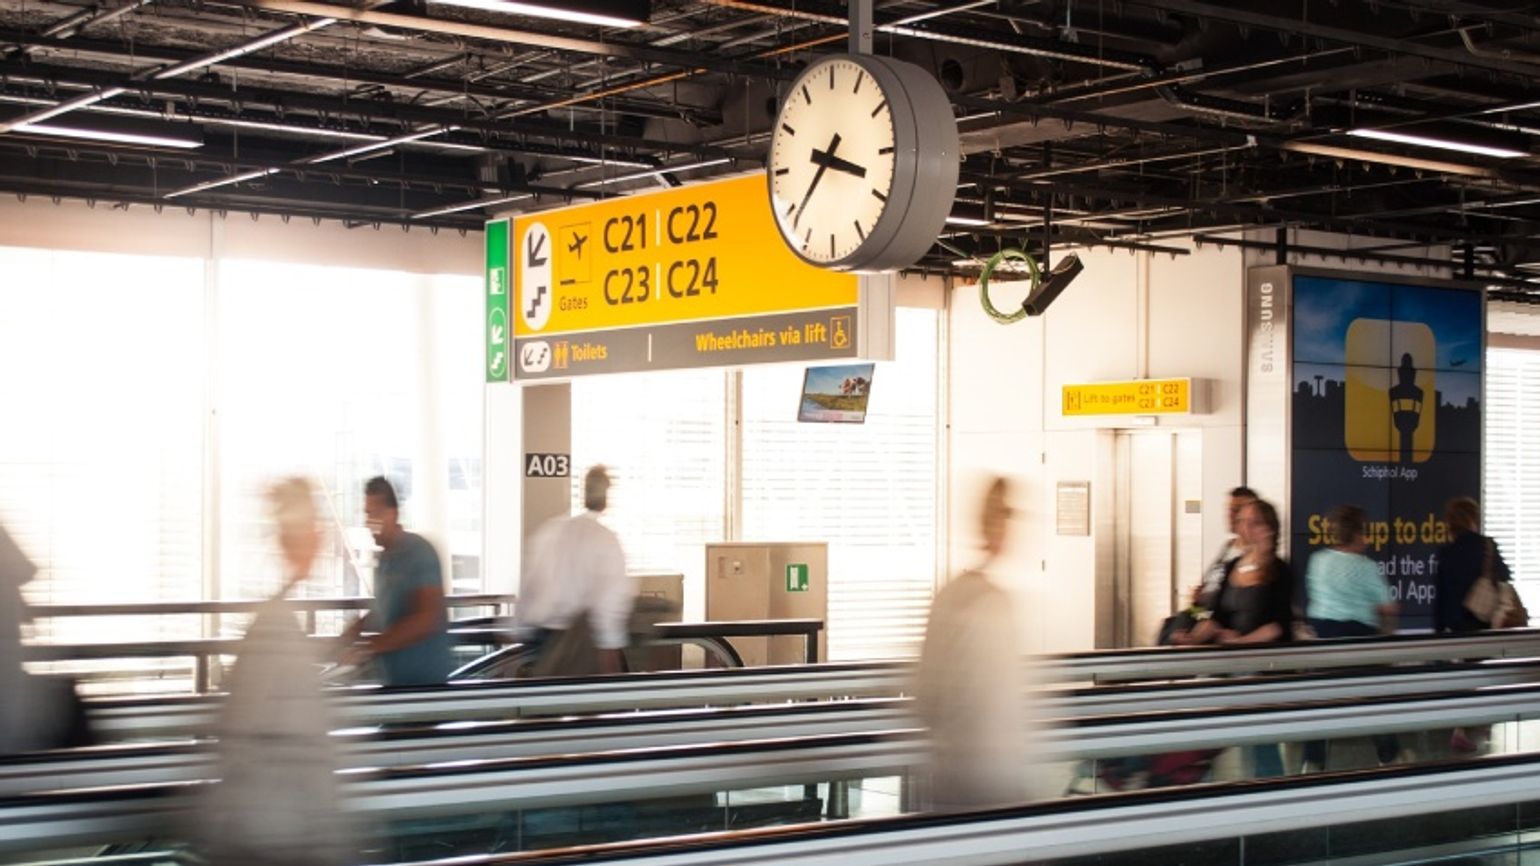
(704, 251)
(1137, 397)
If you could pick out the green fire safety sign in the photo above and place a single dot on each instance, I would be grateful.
(499, 340)
(796, 577)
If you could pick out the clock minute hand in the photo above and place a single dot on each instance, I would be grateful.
(829, 160)
(817, 176)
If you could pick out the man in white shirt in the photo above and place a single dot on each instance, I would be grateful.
(576, 571)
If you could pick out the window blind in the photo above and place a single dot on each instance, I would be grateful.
(101, 447)
(1511, 499)
(663, 438)
(870, 490)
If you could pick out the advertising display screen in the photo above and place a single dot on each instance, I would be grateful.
(1386, 408)
(837, 394)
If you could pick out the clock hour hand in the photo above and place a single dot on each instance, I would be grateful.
(829, 160)
(817, 176)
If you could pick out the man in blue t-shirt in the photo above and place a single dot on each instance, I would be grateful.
(409, 613)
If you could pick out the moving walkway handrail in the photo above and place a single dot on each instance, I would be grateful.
(234, 606)
(202, 650)
(77, 817)
(420, 744)
(1089, 827)
(186, 716)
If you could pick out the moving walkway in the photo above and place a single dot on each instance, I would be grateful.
(428, 743)
(498, 799)
(191, 716)
(1469, 812)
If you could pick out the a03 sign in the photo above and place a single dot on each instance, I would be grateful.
(547, 465)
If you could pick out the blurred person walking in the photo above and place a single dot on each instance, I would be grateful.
(1348, 598)
(277, 802)
(1206, 594)
(971, 688)
(36, 712)
(1469, 560)
(1348, 595)
(412, 647)
(1469, 555)
(575, 599)
(16, 728)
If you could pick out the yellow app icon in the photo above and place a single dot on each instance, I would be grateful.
(1391, 411)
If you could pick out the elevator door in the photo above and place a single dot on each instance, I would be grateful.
(1159, 529)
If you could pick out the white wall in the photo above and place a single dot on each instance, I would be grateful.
(1127, 316)
(74, 225)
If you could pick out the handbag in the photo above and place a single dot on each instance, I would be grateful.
(1495, 602)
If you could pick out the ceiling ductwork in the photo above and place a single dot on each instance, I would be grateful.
(1414, 122)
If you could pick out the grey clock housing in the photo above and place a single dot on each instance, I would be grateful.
(925, 168)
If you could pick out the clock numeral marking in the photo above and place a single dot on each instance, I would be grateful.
(879, 195)
(808, 97)
(792, 209)
(789, 130)
(885, 150)
(880, 106)
(860, 77)
(831, 245)
(860, 231)
(781, 171)
(807, 238)
(831, 77)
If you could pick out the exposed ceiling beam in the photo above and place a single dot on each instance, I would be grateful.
(511, 36)
(1303, 27)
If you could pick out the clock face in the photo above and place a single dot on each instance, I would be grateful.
(831, 160)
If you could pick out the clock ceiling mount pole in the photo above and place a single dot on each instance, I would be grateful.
(860, 26)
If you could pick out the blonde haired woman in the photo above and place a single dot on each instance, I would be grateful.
(278, 801)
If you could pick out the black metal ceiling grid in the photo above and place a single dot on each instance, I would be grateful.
(1121, 123)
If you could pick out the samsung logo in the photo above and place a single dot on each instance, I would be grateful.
(1265, 327)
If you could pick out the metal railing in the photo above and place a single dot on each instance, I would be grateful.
(204, 651)
(499, 604)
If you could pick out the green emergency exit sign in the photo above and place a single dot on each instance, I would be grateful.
(796, 577)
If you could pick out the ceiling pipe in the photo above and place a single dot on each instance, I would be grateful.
(90, 18)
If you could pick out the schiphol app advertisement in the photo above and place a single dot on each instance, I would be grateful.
(1387, 416)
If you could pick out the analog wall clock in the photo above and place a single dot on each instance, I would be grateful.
(863, 163)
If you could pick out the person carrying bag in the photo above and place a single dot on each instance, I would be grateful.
(1493, 601)
(1473, 587)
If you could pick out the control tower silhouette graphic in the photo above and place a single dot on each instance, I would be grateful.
(1406, 405)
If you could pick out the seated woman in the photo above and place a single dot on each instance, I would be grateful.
(1255, 605)
(1256, 600)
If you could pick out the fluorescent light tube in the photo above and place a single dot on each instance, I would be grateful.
(1404, 137)
(514, 7)
(122, 137)
(953, 219)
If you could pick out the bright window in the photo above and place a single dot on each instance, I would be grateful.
(663, 437)
(870, 490)
(101, 446)
(342, 374)
(147, 408)
(1511, 499)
